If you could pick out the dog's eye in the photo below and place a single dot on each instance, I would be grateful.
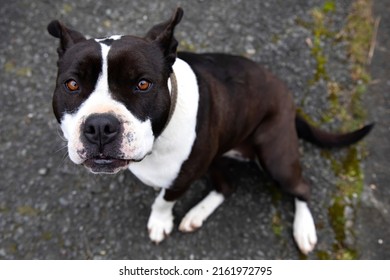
(72, 85)
(144, 85)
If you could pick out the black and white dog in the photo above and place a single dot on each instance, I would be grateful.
(130, 102)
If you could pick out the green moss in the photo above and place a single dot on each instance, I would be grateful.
(320, 31)
(342, 253)
(346, 106)
(321, 61)
(349, 255)
(337, 218)
(336, 212)
(47, 235)
(186, 46)
(350, 182)
(9, 66)
(335, 110)
(4, 209)
(306, 117)
(13, 248)
(275, 38)
(27, 210)
(359, 31)
(276, 197)
(349, 170)
(277, 224)
(276, 194)
(67, 8)
(329, 6)
(322, 255)
(358, 110)
(24, 72)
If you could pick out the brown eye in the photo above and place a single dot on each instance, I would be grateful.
(72, 85)
(143, 85)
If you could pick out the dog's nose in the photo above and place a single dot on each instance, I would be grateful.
(101, 129)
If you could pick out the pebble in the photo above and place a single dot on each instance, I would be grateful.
(63, 201)
(42, 171)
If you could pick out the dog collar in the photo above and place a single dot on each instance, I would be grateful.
(173, 93)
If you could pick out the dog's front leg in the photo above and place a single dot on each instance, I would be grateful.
(160, 222)
(196, 216)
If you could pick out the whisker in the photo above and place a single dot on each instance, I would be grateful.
(61, 135)
(65, 157)
(60, 149)
(62, 162)
(63, 145)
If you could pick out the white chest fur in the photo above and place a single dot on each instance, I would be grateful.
(174, 145)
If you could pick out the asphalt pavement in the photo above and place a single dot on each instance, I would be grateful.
(52, 209)
(373, 214)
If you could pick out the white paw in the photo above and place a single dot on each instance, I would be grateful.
(160, 223)
(159, 227)
(304, 230)
(191, 221)
(196, 216)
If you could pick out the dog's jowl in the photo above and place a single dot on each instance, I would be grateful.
(134, 102)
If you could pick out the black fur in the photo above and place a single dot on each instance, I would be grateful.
(329, 140)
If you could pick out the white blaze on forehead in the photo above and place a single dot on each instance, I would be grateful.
(102, 83)
(113, 37)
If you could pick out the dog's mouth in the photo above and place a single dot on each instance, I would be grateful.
(107, 165)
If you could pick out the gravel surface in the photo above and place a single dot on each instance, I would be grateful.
(373, 225)
(52, 209)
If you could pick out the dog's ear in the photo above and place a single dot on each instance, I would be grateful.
(67, 36)
(163, 34)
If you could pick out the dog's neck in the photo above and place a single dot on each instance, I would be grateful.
(173, 93)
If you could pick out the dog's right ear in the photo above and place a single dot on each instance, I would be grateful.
(67, 36)
(163, 35)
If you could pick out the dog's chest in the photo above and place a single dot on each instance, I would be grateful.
(174, 145)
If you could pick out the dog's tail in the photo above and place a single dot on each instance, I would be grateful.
(329, 140)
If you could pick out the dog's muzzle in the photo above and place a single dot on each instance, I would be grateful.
(102, 140)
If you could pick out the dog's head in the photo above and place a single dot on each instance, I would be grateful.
(112, 96)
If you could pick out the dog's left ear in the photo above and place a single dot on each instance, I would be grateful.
(163, 34)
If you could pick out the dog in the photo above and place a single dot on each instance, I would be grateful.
(127, 102)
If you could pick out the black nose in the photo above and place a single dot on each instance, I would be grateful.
(101, 129)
